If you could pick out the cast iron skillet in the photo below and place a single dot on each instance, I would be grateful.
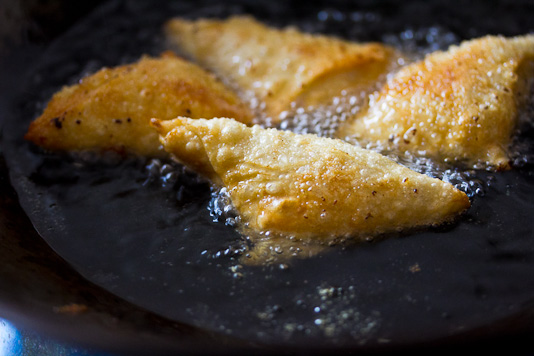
(152, 250)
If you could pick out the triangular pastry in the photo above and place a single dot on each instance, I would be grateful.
(309, 187)
(281, 66)
(459, 105)
(111, 109)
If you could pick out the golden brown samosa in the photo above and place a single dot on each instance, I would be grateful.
(281, 66)
(111, 109)
(309, 187)
(459, 105)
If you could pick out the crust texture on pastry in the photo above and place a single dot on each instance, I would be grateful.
(461, 105)
(111, 109)
(281, 66)
(308, 187)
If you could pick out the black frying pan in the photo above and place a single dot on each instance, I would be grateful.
(156, 269)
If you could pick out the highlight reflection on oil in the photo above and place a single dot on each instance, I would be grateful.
(10, 339)
(20, 342)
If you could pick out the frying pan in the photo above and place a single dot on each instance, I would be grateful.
(156, 273)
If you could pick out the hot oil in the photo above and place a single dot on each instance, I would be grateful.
(336, 313)
(160, 237)
(325, 120)
(333, 307)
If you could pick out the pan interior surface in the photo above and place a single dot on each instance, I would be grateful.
(157, 243)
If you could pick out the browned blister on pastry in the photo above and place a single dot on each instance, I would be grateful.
(459, 105)
(308, 187)
(111, 109)
(281, 66)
